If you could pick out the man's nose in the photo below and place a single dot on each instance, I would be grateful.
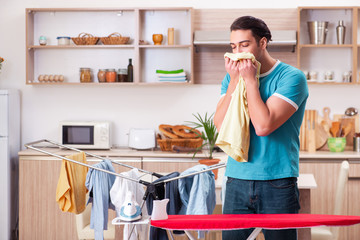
(236, 49)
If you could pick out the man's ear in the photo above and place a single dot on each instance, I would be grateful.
(263, 43)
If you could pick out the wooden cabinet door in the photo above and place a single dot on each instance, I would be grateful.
(39, 213)
(323, 197)
(353, 198)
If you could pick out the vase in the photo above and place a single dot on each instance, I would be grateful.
(157, 38)
(209, 162)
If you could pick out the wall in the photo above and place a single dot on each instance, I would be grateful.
(142, 107)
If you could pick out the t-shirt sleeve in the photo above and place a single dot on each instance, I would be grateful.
(225, 84)
(293, 88)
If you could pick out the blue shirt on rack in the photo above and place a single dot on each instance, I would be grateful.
(99, 184)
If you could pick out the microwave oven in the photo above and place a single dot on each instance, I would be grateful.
(85, 135)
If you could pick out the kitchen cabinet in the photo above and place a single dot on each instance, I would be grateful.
(326, 172)
(39, 213)
(321, 58)
(136, 23)
(353, 196)
(323, 196)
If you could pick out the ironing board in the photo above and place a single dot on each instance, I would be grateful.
(257, 221)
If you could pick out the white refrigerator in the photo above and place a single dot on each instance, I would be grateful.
(9, 168)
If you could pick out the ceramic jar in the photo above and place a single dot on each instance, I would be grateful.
(63, 40)
(157, 38)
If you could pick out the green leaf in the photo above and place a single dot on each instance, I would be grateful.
(209, 133)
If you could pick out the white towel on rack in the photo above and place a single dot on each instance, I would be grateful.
(117, 195)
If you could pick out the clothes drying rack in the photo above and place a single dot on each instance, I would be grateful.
(150, 186)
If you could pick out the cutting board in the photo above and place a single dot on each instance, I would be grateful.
(312, 134)
(354, 120)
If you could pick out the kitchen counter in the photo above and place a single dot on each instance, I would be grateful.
(129, 155)
(120, 152)
(127, 152)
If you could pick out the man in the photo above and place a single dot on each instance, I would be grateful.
(267, 183)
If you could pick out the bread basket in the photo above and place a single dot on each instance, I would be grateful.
(114, 39)
(167, 144)
(85, 39)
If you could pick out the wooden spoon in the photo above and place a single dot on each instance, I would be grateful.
(335, 126)
(347, 129)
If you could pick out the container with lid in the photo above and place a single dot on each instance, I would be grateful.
(110, 75)
(42, 40)
(101, 75)
(122, 75)
(85, 75)
(63, 40)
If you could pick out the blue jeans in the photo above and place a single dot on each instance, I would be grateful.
(273, 196)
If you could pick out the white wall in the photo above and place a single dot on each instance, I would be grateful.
(143, 107)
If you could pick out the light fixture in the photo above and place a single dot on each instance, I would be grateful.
(119, 13)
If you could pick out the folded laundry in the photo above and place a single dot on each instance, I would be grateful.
(170, 72)
(172, 80)
(171, 75)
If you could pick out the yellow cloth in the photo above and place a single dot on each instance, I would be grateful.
(234, 134)
(71, 190)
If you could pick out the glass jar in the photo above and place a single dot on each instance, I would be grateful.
(122, 75)
(42, 40)
(110, 75)
(85, 75)
(101, 75)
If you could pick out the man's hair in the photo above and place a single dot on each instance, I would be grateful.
(258, 27)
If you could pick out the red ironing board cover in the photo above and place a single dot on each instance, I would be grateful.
(238, 221)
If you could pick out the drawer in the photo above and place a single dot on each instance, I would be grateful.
(354, 171)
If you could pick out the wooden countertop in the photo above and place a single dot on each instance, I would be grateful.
(131, 153)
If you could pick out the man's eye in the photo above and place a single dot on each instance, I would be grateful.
(244, 45)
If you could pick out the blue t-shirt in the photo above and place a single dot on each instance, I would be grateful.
(277, 155)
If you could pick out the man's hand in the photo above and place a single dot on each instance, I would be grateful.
(247, 70)
(232, 67)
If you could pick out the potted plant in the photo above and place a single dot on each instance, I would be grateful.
(209, 135)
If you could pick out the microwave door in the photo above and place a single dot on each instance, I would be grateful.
(78, 135)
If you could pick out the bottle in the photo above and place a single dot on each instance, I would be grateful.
(340, 33)
(130, 71)
(170, 36)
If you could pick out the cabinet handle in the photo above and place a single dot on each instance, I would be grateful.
(354, 178)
